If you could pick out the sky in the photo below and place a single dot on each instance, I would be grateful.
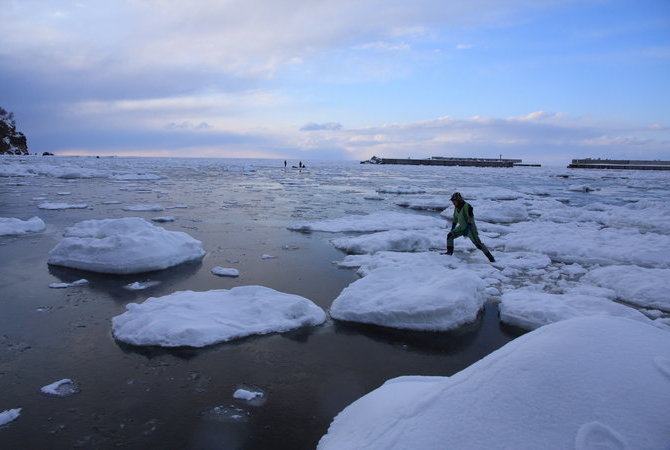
(541, 80)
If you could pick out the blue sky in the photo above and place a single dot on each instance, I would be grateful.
(541, 80)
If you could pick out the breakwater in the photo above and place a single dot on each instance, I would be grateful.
(447, 161)
(623, 164)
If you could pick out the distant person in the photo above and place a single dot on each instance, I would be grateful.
(284, 164)
(300, 165)
(464, 225)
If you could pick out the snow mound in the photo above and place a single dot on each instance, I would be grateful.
(9, 226)
(415, 298)
(502, 401)
(123, 246)
(198, 319)
(61, 388)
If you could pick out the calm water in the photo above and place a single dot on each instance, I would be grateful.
(138, 397)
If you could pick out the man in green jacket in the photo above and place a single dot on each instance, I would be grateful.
(464, 225)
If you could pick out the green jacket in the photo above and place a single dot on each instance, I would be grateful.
(463, 217)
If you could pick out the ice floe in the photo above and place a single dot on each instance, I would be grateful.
(379, 221)
(10, 226)
(56, 206)
(417, 298)
(123, 246)
(198, 319)
(225, 271)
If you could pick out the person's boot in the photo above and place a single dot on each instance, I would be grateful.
(489, 256)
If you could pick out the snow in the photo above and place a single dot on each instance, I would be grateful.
(123, 246)
(417, 298)
(10, 226)
(9, 415)
(560, 386)
(225, 272)
(198, 319)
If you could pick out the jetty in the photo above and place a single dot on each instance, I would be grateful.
(622, 164)
(450, 161)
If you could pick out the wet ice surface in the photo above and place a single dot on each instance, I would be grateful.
(603, 226)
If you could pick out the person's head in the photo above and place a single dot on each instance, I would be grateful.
(456, 198)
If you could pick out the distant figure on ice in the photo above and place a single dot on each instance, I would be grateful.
(464, 225)
(284, 164)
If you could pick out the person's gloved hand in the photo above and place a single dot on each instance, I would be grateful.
(466, 230)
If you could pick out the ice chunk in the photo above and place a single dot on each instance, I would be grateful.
(9, 415)
(123, 246)
(530, 309)
(416, 298)
(225, 272)
(51, 205)
(197, 319)
(11, 226)
(379, 221)
(61, 388)
(640, 286)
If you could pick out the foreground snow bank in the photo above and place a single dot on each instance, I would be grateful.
(10, 226)
(583, 383)
(197, 319)
(411, 297)
(123, 246)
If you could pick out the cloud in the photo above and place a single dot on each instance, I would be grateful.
(321, 126)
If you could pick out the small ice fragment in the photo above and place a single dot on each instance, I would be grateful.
(226, 414)
(59, 285)
(9, 415)
(138, 286)
(265, 256)
(244, 394)
(61, 388)
(81, 282)
(225, 272)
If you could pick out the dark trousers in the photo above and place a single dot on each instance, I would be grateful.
(474, 237)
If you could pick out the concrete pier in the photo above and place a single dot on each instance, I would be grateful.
(447, 161)
(621, 164)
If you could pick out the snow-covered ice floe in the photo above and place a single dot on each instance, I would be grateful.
(54, 205)
(198, 319)
(10, 226)
(583, 383)
(379, 221)
(530, 309)
(417, 298)
(123, 246)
